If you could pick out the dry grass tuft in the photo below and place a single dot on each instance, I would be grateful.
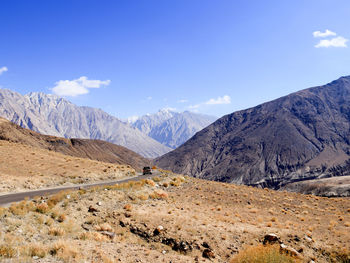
(42, 208)
(21, 208)
(38, 250)
(7, 251)
(56, 231)
(159, 194)
(263, 254)
(65, 251)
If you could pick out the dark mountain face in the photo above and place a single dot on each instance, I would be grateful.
(303, 135)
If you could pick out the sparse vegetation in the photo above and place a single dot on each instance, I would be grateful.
(263, 254)
(195, 218)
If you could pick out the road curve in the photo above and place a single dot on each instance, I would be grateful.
(16, 197)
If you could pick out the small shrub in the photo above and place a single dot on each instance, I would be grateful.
(93, 236)
(56, 231)
(159, 194)
(37, 250)
(156, 179)
(65, 251)
(104, 227)
(7, 251)
(21, 208)
(128, 207)
(150, 182)
(42, 208)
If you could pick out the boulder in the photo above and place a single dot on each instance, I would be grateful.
(271, 239)
(208, 253)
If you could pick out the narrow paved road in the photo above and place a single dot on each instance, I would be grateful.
(16, 197)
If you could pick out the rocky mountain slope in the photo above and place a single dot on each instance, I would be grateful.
(92, 149)
(52, 115)
(172, 128)
(304, 135)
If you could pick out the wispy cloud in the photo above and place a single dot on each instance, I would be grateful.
(3, 69)
(334, 42)
(327, 33)
(214, 101)
(182, 101)
(338, 41)
(149, 98)
(78, 86)
(220, 100)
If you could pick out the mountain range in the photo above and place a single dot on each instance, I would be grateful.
(304, 135)
(52, 115)
(172, 128)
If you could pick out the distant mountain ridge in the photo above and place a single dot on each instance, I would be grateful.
(172, 128)
(52, 115)
(304, 135)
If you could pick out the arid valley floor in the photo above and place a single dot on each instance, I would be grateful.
(173, 218)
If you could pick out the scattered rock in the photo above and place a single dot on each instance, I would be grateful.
(110, 234)
(86, 226)
(308, 239)
(208, 253)
(205, 245)
(92, 209)
(296, 238)
(290, 251)
(283, 246)
(99, 203)
(158, 230)
(271, 239)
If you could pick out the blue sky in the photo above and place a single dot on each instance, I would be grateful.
(136, 57)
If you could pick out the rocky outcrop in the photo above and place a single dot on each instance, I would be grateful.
(304, 135)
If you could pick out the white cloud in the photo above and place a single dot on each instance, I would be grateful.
(78, 86)
(220, 100)
(149, 98)
(3, 69)
(327, 33)
(333, 42)
(182, 101)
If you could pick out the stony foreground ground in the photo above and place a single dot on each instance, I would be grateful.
(172, 219)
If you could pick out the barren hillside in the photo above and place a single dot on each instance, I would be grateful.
(84, 148)
(23, 167)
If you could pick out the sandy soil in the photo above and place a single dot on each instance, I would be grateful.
(23, 167)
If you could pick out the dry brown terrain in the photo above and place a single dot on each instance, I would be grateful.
(173, 219)
(329, 187)
(25, 167)
(83, 148)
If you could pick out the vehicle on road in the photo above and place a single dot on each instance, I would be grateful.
(146, 170)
